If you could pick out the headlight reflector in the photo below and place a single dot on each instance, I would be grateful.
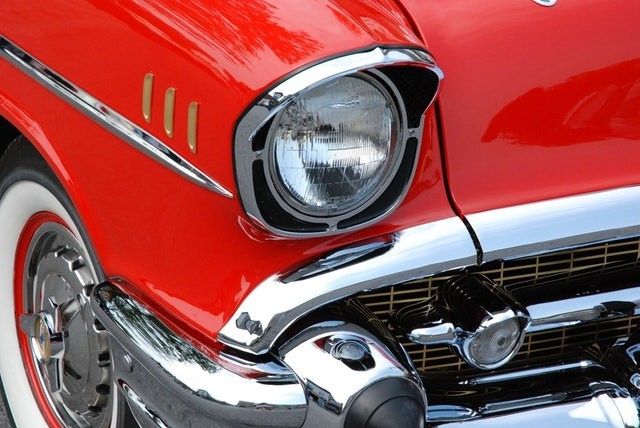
(335, 146)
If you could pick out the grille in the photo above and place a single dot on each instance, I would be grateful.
(522, 276)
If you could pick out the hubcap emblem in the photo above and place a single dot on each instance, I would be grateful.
(42, 340)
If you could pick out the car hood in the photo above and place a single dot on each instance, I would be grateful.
(535, 104)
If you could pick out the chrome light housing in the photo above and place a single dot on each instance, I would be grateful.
(494, 343)
(481, 321)
(333, 147)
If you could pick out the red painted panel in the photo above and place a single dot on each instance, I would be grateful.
(187, 249)
(537, 102)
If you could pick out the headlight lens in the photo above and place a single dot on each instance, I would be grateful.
(333, 148)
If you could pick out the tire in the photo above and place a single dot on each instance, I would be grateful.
(55, 360)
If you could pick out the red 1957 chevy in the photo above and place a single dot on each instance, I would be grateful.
(328, 213)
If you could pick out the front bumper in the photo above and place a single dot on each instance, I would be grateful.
(281, 367)
(169, 383)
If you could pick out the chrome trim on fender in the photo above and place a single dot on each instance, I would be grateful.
(412, 253)
(555, 224)
(283, 93)
(171, 382)
(111, 120)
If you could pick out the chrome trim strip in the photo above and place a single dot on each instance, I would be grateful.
(181, 384)
(608, 405)
(582, 309)
(556, 224)
(527, 373)
(111, 120)
(412, 253)
(283, 93)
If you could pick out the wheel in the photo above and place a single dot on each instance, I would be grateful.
(55, 360)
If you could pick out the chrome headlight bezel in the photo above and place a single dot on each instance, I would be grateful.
(263, 197)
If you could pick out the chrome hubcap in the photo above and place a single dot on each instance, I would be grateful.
(68, 345)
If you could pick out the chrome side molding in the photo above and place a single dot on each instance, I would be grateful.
(107, 117)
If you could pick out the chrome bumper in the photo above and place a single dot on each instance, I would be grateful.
(582, 394)
(170, 383)
(609, 406)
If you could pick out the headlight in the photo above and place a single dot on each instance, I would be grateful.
(332, 148)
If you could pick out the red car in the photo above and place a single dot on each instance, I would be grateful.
(381, 213)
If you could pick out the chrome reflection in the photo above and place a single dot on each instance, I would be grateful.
(548, 3)
(482, 321)
(555, 224)
(334, 381)
(141, 412)
(410, 254)
(584, 308)
(577, 398)
(530, 373)
(169, 375)
(597, 391)
(105, 116)
(582, 414)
